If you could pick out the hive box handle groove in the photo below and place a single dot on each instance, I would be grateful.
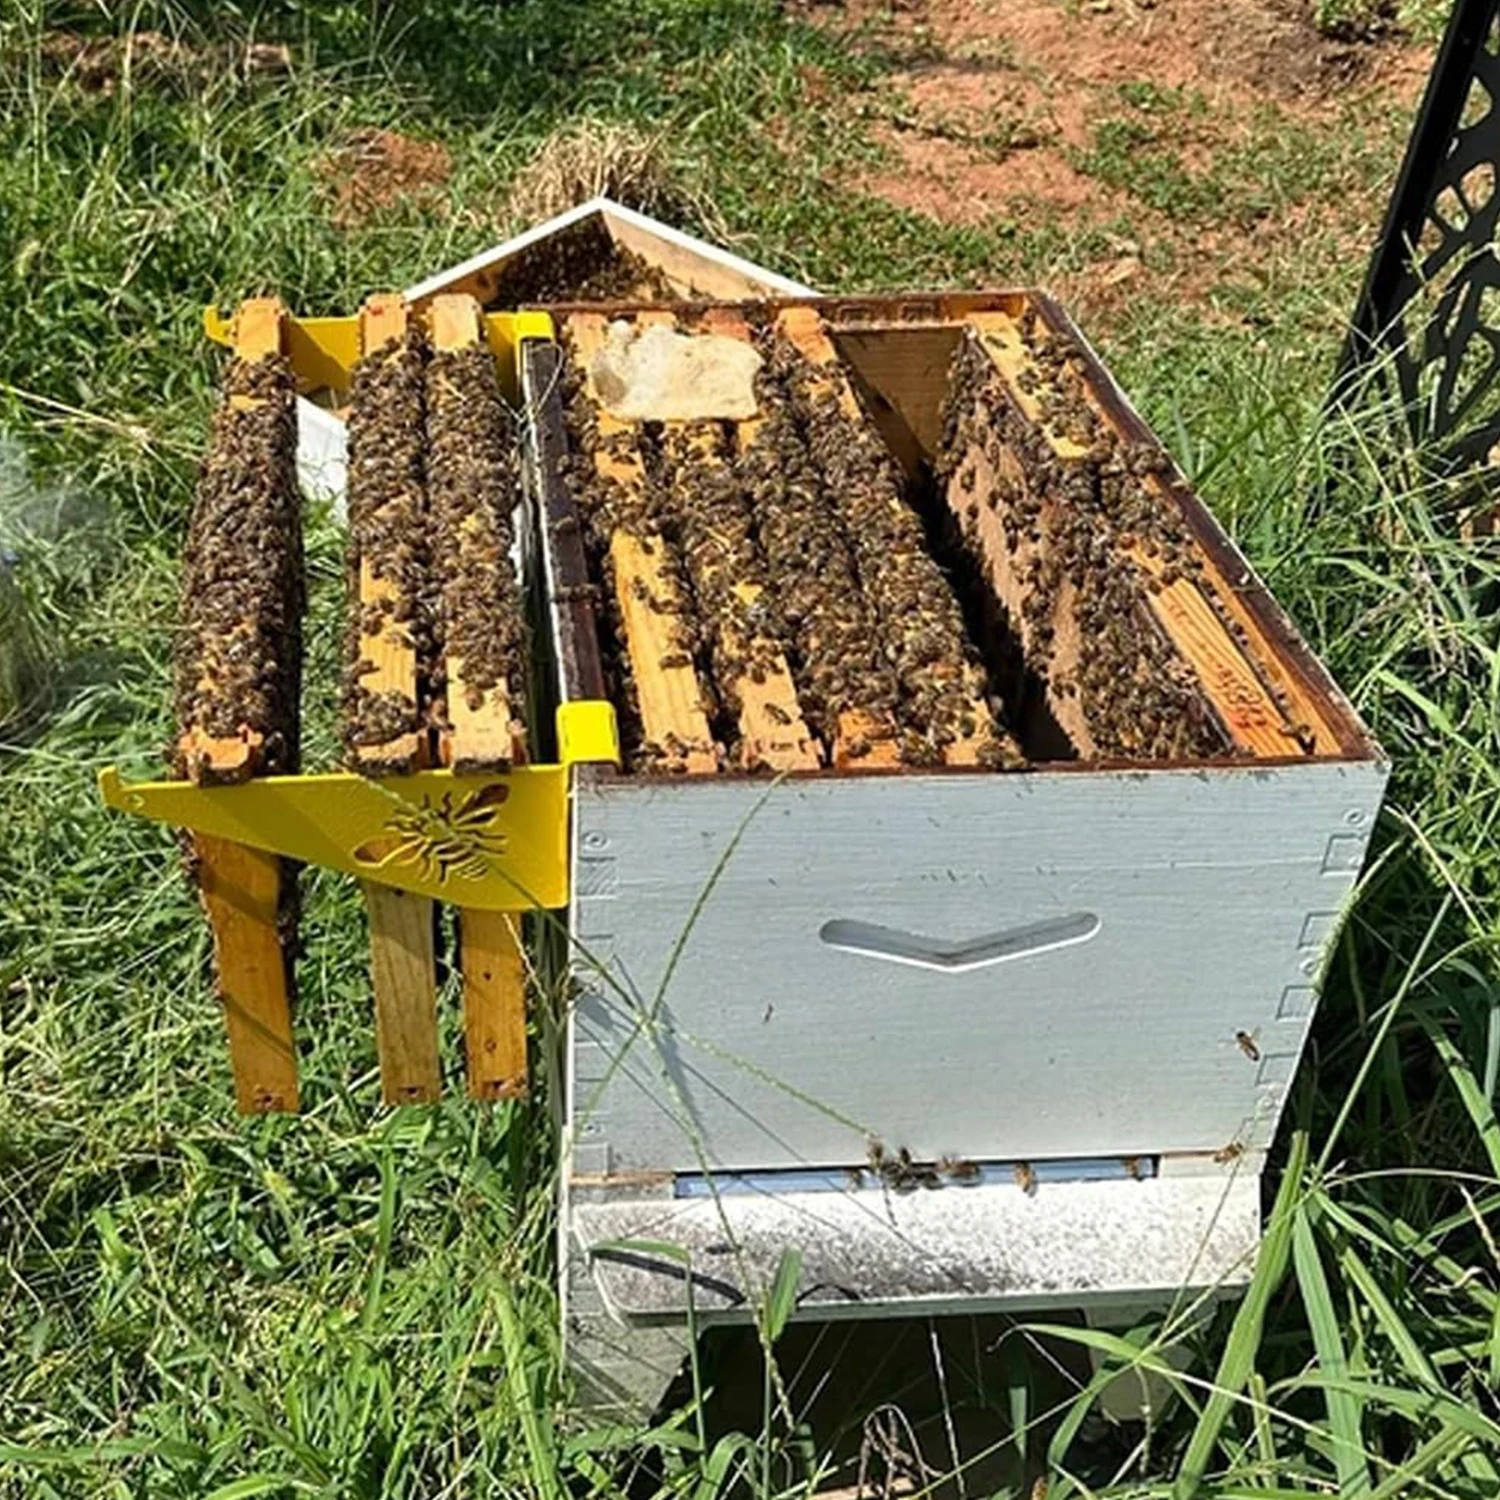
(895, 946)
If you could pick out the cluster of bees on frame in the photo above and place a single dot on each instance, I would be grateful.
(473, 479)
(433, 481)
(1075, 524)
(826, 623)
(801, 544)
(237, 662)
(726, 575)
(582, 264)
(917, 614)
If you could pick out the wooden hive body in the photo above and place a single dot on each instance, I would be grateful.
(1072, 961)
(1081, 973)
(846, 957)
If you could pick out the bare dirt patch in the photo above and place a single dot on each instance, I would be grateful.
(371, 171)
(101, 64)
(1219, 46)
(994, 108)
(957, 183)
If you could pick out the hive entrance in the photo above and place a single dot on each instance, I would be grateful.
(937, 544)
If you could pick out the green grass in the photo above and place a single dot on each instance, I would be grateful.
(1354, 20)
(359, 1303)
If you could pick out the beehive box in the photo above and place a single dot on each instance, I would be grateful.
(1077, 945)
(600, 248)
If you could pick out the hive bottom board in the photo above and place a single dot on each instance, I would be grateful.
(1109, 1248)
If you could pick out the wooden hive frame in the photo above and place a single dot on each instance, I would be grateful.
(244, 889)
(1274, 701)
(486, 733)
(245, 892)
(403, 960)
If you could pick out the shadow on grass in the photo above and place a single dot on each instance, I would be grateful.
(901, 1403)
(471, 59)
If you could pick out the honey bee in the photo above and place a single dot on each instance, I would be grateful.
(1247, 1044)
(1302, 733)
(1232, 1152)
(959, 1169)
(1132, 1165)
(1025, 1175)
(896, 1170)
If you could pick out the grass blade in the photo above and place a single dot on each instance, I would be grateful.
(1260, 1412)
(1017, 1394)
(1238, 1359)
(1387, 1319)
(782, 1301)
(1416, 1406)
(248, 1487)
(1345, 1412)
(1130, 1356)
(1442, 1449)
(1461, 1076)
(1418, 1366)
(536, 1430)
(733, 1456)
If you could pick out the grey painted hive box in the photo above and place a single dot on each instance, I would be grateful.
(1089, 981)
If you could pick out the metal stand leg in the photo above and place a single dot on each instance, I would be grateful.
(1428, 316)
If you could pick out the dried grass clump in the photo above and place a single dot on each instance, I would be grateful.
(592, 159)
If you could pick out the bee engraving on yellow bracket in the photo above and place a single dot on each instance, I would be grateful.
(444, 840)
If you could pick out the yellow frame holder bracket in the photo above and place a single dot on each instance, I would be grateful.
(494, 842)
(324, 351)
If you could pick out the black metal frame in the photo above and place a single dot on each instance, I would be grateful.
(1429, 312)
